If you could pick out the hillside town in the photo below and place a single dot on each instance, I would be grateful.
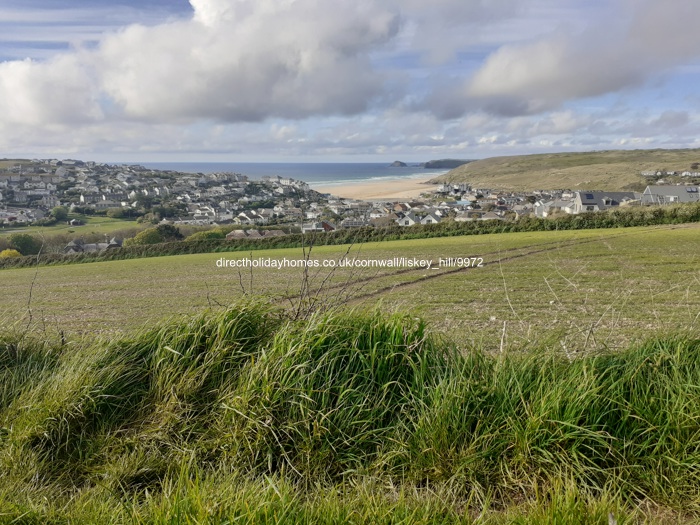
(29, 190)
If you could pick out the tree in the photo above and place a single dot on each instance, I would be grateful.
(8, 254)
(169, 233)
(59, 213)
(25, 244)
(148, 236)
(169, 211)
(144, 201)
(161, 233)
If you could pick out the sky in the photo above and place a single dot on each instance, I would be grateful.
(345, 80)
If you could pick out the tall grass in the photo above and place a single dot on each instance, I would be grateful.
(246, 415)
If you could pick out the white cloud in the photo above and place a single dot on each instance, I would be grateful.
(235, 60)
(648, 40)
(308, 77)
(209, 12)
(39, 93)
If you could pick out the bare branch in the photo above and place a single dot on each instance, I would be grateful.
(31, 286)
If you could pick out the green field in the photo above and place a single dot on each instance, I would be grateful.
(92, 226)
(570, 397)
(578, 290)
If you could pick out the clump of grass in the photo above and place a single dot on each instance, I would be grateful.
(25, 360)
(100, 400)
(158, 425)
(629, 420)
(325, 397)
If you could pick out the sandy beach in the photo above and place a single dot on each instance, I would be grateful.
(388, 189)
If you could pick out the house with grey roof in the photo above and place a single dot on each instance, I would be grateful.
(430, 218)
(408, 219)
(670, 194)
(78, 246)
(587, 201)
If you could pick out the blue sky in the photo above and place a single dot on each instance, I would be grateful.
(345, 80)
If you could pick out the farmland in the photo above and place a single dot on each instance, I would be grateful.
(578, 290)
(570, 395)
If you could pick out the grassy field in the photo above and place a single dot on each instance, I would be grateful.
(598, 170)
(570, 396)
(92, 226)
(576, 290)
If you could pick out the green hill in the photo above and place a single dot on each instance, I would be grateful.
(603, 170)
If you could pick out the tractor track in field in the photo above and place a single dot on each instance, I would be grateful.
(364, 280)
(544, 247)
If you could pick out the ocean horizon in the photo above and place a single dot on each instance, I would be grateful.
(315, 174)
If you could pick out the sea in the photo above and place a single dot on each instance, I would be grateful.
(315, 174)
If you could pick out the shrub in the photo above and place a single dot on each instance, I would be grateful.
(169, 233)
(25, 244)
(47, 221)
(160, 234)
(9, 253)
(116, 213)
(60, 213)
(147, 236)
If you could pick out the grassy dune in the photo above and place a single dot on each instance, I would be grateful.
(8, 163)
(246, 416)
(599, 170)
